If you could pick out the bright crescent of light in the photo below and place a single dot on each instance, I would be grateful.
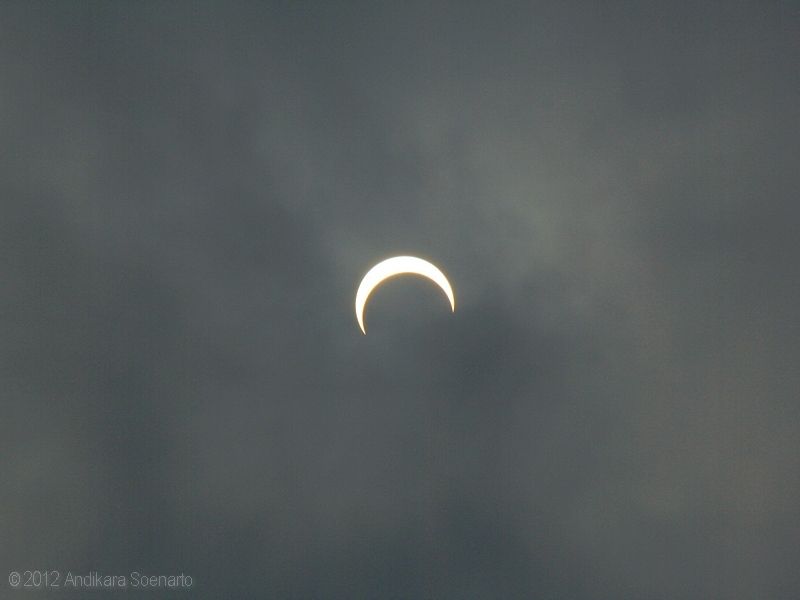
(398, 265)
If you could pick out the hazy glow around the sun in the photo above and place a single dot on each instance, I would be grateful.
(397, 266)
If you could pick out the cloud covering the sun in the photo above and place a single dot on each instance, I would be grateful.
(191, 194)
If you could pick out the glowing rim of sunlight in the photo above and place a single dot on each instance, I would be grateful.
(398, 265)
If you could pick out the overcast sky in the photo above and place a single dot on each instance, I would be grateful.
(191, 192)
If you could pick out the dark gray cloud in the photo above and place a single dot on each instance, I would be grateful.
(191, 192)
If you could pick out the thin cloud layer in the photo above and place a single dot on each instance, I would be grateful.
(192, 194)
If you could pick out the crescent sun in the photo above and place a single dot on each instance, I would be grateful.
(398, 265)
